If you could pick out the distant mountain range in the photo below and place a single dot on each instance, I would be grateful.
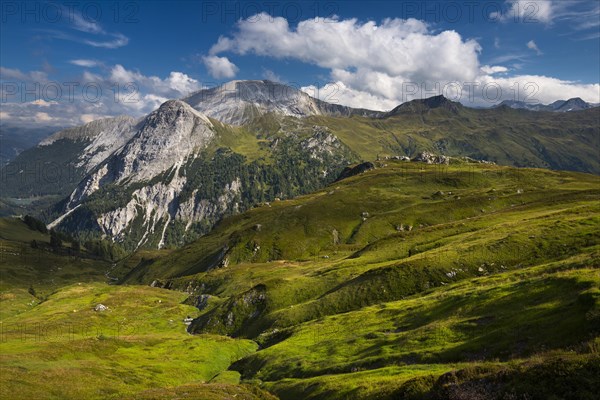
(15, 139)
(574, 104)
(168, 177)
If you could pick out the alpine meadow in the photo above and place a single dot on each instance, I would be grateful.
(304, 200)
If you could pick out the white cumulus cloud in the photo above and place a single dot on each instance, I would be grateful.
(117, 91)
(380, 65)
(220, 67)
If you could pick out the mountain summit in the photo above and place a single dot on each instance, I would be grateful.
(424, 105)
(238, 102)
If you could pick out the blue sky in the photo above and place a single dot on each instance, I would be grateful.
(370, 53)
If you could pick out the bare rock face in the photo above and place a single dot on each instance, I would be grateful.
(238, 102)
(321, 143)
(167, 137)
(163, 140)
(161, 144)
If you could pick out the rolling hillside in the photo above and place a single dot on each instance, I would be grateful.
(459, 281)
(407, 281)
(52, 331)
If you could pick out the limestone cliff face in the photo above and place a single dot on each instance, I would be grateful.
(161, 144)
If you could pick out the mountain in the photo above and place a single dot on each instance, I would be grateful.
(15, 139)
(57, 164)
(308, 256)
(574, 104)
(164, 179)
(240, 102)
(425, 105)
(174, 178)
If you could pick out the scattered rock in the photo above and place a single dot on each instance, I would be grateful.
(438, 195)
(230, 319)
(224, 263)
(336, 237)
(100, 307)
(430, 158)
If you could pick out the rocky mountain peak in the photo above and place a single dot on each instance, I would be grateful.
(438, 101)
(166, 138)
(163, 141)
(171, 111)
(239, 102)
(574, 104)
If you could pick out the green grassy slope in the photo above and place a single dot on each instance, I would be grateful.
(62, 348)
(507, 321)
(380, 285)
(54, 345)
(568, 141)
(40, 268)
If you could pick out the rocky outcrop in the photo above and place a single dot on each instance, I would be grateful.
(231, 317)
(430, 158)
(321, 143)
